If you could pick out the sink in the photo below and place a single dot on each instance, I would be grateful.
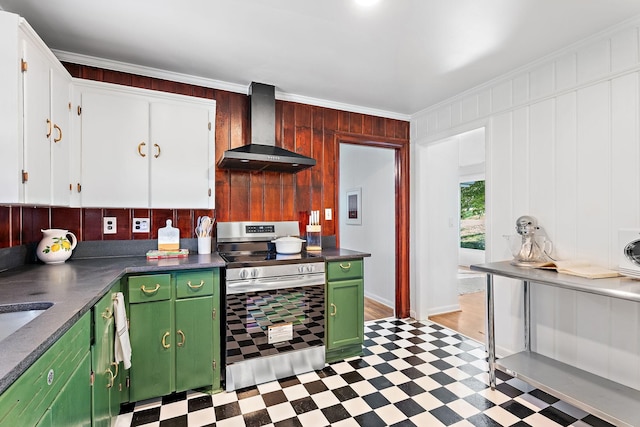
(15, 316)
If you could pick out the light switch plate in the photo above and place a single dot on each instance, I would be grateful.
(109, 225)
(327, 214)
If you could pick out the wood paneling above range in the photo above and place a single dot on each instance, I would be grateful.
(239, 195)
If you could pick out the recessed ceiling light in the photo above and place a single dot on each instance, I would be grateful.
(367, 2)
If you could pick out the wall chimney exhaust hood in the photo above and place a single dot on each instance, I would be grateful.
(262, 154)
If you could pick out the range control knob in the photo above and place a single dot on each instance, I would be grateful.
(310, 268)
(255, 273)
(244, 274)
(301, 269)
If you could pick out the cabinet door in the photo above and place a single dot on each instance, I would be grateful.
(115, 150)
(60, 138)
(194, 343)
(37, 125)
(72, 406)
(345, 313)
(152, 347)
(10, 109)
(180, 156)
(107, 386)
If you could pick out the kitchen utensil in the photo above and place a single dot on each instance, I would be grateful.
(205, 224)
(288, 245)
(56, 246)
(168, 238)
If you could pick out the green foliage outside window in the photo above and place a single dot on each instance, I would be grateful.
(472, 210)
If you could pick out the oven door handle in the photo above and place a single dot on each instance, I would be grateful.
(273, 283)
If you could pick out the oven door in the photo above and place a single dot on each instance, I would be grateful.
(269, 319)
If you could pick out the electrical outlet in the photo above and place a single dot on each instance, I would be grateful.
(327, 214)
(109, 225)
(140, 225)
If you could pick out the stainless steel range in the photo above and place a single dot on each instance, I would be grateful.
(275, 305)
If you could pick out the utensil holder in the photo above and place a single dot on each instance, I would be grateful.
(204, 245)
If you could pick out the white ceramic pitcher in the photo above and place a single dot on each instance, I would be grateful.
(56, 246)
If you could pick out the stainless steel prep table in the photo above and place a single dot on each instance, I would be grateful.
(599, 396)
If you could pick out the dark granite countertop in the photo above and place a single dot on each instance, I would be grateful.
(76, 286)
(73, 288)
(336, 254)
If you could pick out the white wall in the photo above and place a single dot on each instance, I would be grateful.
(439, 213)
(373, 170)
(563, 145)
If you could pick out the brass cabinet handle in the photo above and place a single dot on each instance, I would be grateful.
(150, 291)
(195, 286)
(111, 379)
(59, 138)
(181, 343)
(142, 144)
(158, 151)
(112, 375)
(48, 128)
(335, 310)
(345, 267)
(107, 313)
(164, 342)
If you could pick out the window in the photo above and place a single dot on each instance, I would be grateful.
(472, 212)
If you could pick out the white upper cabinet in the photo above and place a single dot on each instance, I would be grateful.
(143, 148)
(182, 154)
(10, 110)
(46, 90)
(117, 147)
(35, 118)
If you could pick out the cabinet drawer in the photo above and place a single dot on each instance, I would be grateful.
(347, 269)
(154, 287)
(197, 283)
(27, 399)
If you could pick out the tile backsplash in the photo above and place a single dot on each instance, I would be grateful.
(21, 225)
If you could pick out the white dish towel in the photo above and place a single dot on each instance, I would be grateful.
(122, 346)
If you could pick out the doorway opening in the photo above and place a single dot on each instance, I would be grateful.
(398, 201)
(468, 318)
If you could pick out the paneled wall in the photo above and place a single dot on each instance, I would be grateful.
(563, 145)
(240, 195)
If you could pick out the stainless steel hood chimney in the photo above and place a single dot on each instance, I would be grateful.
(262, 154)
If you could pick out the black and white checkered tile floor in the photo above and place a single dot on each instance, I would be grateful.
(411, 374)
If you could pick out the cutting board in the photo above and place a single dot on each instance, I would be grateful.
(168, 238)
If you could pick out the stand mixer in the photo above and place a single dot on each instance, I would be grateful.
(530, 247)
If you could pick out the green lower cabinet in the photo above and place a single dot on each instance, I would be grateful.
(56, 388)
(175, 343)
(109, 386)
(72, 406)
(194, 348)
(344, 310)
(152, 350)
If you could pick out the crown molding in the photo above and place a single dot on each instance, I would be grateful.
(124, 67)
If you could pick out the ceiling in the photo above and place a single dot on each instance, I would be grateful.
(396, 57)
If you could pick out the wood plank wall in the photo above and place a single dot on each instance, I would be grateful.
(306, 129)
(243, 196)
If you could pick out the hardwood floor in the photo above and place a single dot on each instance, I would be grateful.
(374, 310)
(470, 320)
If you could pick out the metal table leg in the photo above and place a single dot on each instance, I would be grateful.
(491, 341)
(527, 315)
